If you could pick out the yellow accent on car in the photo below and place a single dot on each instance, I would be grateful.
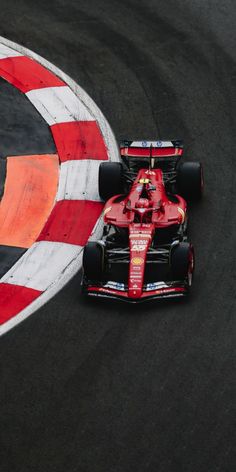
(181, 211)
(137, 261)
(107, 210)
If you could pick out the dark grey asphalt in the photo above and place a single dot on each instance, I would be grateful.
(22, 129)
(97, 387)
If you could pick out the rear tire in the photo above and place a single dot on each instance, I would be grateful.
(110, 179)
(182, 262)
(190, 180)
(93, 261)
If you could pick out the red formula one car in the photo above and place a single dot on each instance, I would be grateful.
(144, 252)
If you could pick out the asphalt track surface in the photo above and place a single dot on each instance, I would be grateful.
(95, 386)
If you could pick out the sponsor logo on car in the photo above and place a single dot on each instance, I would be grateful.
(137, 261)
(156, 286)
(139, 247)
(140, 235)
(115, 285)
(136, 269)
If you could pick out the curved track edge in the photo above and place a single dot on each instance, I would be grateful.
(74, 264)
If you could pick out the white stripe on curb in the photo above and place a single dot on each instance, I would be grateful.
(31, 271)
(6, 52)
(59, 105)
(82, 176)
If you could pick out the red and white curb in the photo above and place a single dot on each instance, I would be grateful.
(83, 139)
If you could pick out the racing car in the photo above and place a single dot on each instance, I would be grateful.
(144, 252)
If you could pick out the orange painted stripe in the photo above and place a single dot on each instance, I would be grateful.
(30, 191)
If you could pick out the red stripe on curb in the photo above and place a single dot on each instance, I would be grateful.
(15, 298)
(26, 74)
(66, 225)
(79, 140)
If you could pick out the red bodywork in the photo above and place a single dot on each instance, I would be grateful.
(142, 222)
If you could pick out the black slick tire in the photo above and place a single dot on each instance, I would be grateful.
(110, 179)
(190, 180)
(93, 261)
(182, 262)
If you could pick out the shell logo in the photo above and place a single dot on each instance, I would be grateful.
(137, 261)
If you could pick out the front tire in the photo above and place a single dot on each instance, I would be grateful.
(182, 262)
(93, 261)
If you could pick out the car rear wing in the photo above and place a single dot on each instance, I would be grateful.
(151, 149)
